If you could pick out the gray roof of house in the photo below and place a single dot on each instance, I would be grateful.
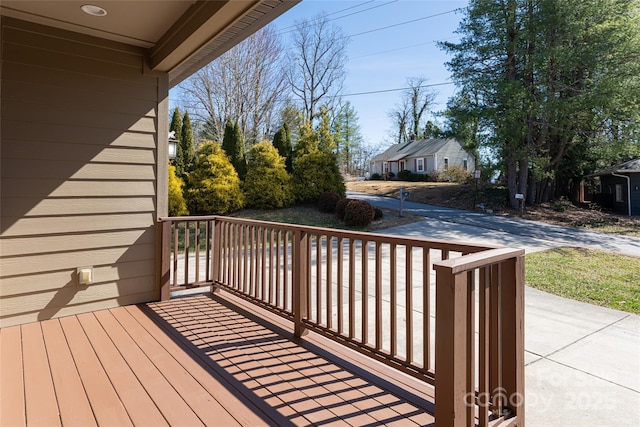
(632, 166)
(423, 147)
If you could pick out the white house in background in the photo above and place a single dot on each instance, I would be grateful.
(423, 157)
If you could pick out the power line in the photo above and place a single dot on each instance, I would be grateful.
(292, 27)
(373, 92)
(402, 48)
(405, 22)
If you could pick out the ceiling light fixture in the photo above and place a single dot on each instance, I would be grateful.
(93, 10)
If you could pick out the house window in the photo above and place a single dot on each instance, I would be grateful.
(619, 198)
(402, 165)
(446, 163)
(420, 165)
(465, 164)
(386, 167)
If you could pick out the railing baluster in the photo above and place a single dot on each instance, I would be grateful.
(483, 346)
(207, 236)
(329, 281)
(365, 291)
(426, 308)
(300, 283)
(408, 293)
(471, 339)
(378, 267)
(495, 378)
(352, 287)
(393, 264)
(286, 272)
(319, 279)
(278, 268)
(176, 236)
(186, 252)
(339, 289)
(263, 271)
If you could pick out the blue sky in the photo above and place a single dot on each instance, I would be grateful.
(383, 58)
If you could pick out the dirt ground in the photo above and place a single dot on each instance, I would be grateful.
(463, 197)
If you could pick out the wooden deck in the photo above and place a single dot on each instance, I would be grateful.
(197, 360)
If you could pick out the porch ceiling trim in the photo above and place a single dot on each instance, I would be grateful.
(207, 30)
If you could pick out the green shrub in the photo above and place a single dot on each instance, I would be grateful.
(378, 214)
(405, 175)
(267, 184)
(177, 204)
(314, 173)
(327, 201)
(375, 177)
(341, 205)
(213, 186)
(358, 213)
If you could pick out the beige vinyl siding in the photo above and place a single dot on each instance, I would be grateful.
(79, 173)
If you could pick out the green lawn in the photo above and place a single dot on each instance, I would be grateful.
(596, 277)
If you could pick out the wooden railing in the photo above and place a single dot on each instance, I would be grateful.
(376, 294)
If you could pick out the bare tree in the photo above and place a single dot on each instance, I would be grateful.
(400, 119)
(244, 85)
(317, 60)
(419, 100)
(408, 116)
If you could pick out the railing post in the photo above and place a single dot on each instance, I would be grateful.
(512, 312)
(300, 265)
(215, 262)
(452, 352)
(165, 260)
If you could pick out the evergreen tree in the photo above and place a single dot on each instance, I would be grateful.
(282, 142)
(347, 136)
(267, 185)
(213, 184)
(314, 170)
(548, 79)
(177, 204)
(176, 127)
(233, 145)
(187, 145)
(326, 142)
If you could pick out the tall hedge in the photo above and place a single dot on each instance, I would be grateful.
(267, 185)
(213, 186)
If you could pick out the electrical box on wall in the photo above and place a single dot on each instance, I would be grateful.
(85, 275)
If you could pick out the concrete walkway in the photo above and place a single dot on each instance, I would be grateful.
(582, 361)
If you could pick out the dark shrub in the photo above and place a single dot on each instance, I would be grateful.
(405, 175)
(327, 201)
(341, 205)
(375, 177)
(358, 213)
(378, 214)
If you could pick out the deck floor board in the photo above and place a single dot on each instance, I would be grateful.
(72, 398)
(12, 383)
(202, 359)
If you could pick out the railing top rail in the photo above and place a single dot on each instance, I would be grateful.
(464, 247)
(477, 260)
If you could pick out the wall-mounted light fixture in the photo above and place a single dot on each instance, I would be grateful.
(173, 148)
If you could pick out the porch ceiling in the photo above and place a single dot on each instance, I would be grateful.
(180, 35)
